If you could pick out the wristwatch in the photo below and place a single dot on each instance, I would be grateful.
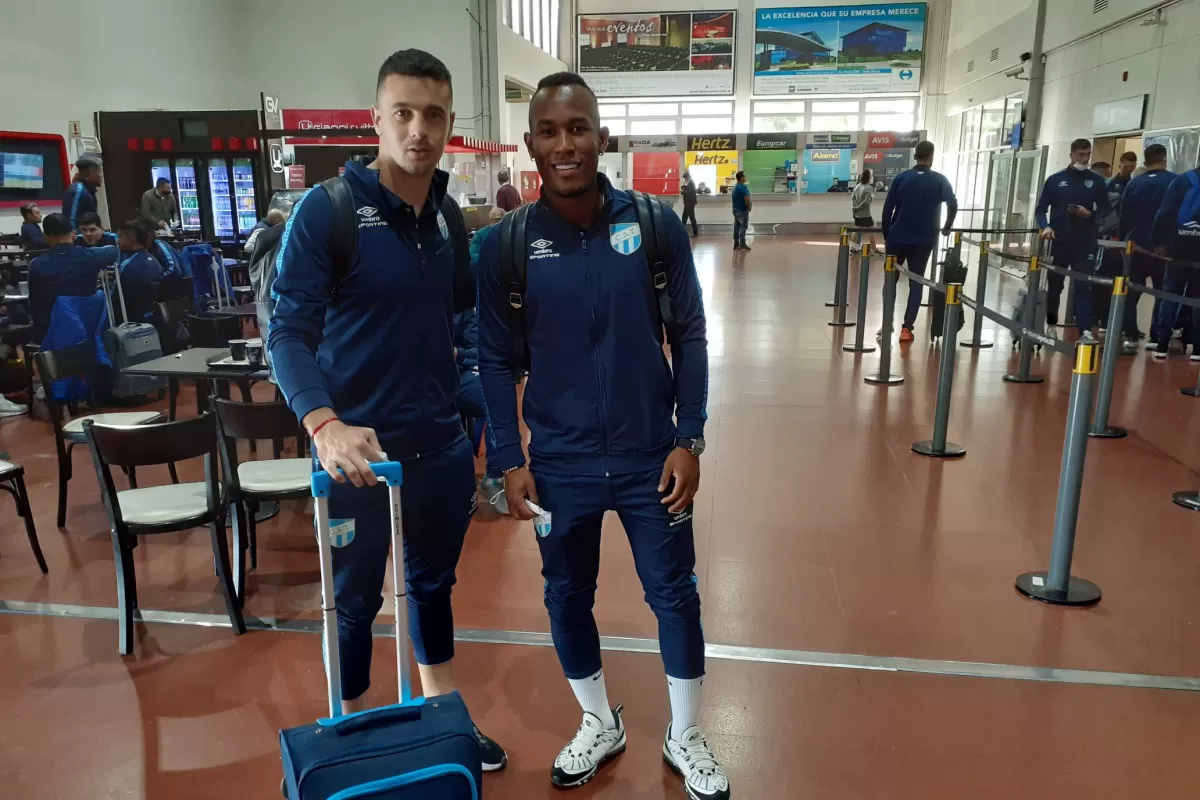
(693, 446)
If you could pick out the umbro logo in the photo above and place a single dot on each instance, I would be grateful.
(541, 244)
(368, 217)
(541, 249)
(368, 212)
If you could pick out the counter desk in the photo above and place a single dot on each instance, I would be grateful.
(783, 213)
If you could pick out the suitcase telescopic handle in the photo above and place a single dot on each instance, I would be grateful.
(372, 718)
(390, 472)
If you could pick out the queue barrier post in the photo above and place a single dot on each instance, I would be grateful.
(885, 376)
(1057, 585)
(1192, 391)
(1033, 287)
(843, 269)
(938, 447)
(1100, 428)
(860, 316)
(977, 342)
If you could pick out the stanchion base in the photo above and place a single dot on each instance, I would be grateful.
(836, 324)
(951, 450)
(1190, 391)
(832, 304)
(976, 345)
(1111, 432)
(889, 380)
(866, 348)
(1079, 592)
(1189, 500)
(1019, 379)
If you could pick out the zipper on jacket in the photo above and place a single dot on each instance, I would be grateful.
(587, 270)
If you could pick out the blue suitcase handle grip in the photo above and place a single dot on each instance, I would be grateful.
(373, 718)
(390, 472)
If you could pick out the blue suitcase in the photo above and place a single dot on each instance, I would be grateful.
(422, 749)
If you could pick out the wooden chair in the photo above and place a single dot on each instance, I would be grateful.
(70, 362)
(251, 482)
(12, 480)
(160, 509)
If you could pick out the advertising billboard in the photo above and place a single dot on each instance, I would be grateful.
(645, 55)
(839, 49)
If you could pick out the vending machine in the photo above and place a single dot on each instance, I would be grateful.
(216, 195)
(181, 172)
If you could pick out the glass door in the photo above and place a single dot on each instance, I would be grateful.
(189, 196)
(221, 198)
(243, 195)
(1028, 177)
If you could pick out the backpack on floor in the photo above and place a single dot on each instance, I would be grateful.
(953, 271)
(514, 265)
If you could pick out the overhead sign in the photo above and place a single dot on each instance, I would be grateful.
(1120, 116)
(634, 144)
(771, 141)
(710, 142)
(325, 123)
(832, 141)
(839, 49)
(646, 55)
(272, 120)
(880, 140)
(295, 176)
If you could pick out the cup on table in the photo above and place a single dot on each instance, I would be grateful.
(254, 352)
(23, 288)
(237, 349)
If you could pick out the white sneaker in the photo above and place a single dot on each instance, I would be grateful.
(592, 746)
(693, 760)
(11, 409)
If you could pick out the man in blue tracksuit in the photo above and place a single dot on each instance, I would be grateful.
(1140, 201)
(1181, 240)
(912, 214)
(140, 273)
(166, 255)
(80, 196)
(65, 270)
(364, 354)
(1074, 197)
(31, 229)
(92, 233)
(615, 427)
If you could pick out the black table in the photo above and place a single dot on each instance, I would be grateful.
(245, 311)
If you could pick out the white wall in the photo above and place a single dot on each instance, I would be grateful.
(521, 62)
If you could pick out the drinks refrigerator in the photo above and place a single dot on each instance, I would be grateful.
(216, 195)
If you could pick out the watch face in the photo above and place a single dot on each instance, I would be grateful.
(697, 446)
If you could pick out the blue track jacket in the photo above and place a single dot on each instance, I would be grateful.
(1073, 187)
(912, 210)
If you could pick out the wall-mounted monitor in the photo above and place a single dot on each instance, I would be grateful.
(22, 171)
(33, 168)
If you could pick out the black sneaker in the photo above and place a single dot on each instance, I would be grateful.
(592, 746)
(491, 755)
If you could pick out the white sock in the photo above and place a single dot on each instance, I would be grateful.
(685, 704)
(592, 695)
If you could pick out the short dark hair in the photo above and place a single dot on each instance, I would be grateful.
(27, 210)
(740, 176)
(137, 230)
(865, 177)
(1156, 153)
(90, 218)
(557, 80)
(88, 163)
(414, 63)
(1099, 165)
(924, 151)
(1080, 144)
(161, 181)
(1129, 155)
(56, 225)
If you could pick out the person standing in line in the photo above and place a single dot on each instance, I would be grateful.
(32, 237)
(742, 205)
(80, 197)
(688, 192)
(507, 197)
(912, 215)
(1177, 235)
(158, 204)
(860, 207)
(1140, 203)
(1125, 169)
(364, 354)
(1103, 169)
(602, 403)
(1075, 199)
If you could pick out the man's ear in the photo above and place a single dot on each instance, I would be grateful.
(376, 119)
(529, 144)
(603, 141)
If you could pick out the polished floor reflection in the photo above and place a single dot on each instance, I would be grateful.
(817, 529)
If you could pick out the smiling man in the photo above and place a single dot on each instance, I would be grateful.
(615, 426)
(361, 344)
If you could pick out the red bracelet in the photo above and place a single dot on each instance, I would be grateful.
(317, 429)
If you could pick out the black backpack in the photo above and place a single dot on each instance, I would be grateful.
(514, 264)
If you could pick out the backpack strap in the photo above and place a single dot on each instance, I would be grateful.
(343, 244)
(464, 278)
(514, 264)
(654, 244)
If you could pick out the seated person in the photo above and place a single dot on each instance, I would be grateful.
(140, 273)
(166, 255)
(31, 232)
(66, 270)
(92, 233)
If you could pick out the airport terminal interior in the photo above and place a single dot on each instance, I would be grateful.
(943, 549)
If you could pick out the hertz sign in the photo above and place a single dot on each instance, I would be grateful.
(710, 143)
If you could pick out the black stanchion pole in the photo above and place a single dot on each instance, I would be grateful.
(1192, 391)
(977, 342)
(1108, 365)
(1057, 585)
(864, 277)
(843, 267)
(885, 376)
(938, 446)
(1033, 286)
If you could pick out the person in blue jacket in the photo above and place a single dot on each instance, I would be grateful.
(32, 237)
(81, 194)
(1178, 239)
(166, 255)
(92, 233)
(65, 270)
(364, 354)
(1140, 202)
(615, 426)
(140, 273)
(912, 216)
(1074, 198)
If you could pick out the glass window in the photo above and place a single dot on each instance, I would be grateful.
(653, 127)
(991, 134)
(506, 13)
(536, 38)
(1012, 114)
(835, 122)
(778, 124)
(612, 110)
(527, 19)
(907, 104)
(970, 137)
(707, 109)
(889, 122)
(616, 127)
(707, 125)
(835, 107)
(653, 109)
(779, 107)
(554, 20)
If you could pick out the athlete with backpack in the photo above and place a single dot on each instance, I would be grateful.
(1177, 234)
(578, 288)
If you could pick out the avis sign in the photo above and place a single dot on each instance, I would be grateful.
(890, 140)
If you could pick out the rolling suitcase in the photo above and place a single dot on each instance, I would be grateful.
(422, 749)
(953, 271)
(129, 344)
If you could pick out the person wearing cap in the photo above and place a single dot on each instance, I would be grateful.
(31, 231)
(158, 204)
(64, 270)
(81, 195)
(507, 198)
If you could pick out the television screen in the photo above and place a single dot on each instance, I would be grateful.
(21, 171)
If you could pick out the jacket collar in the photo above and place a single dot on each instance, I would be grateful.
(615, 202)
(367, 180)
